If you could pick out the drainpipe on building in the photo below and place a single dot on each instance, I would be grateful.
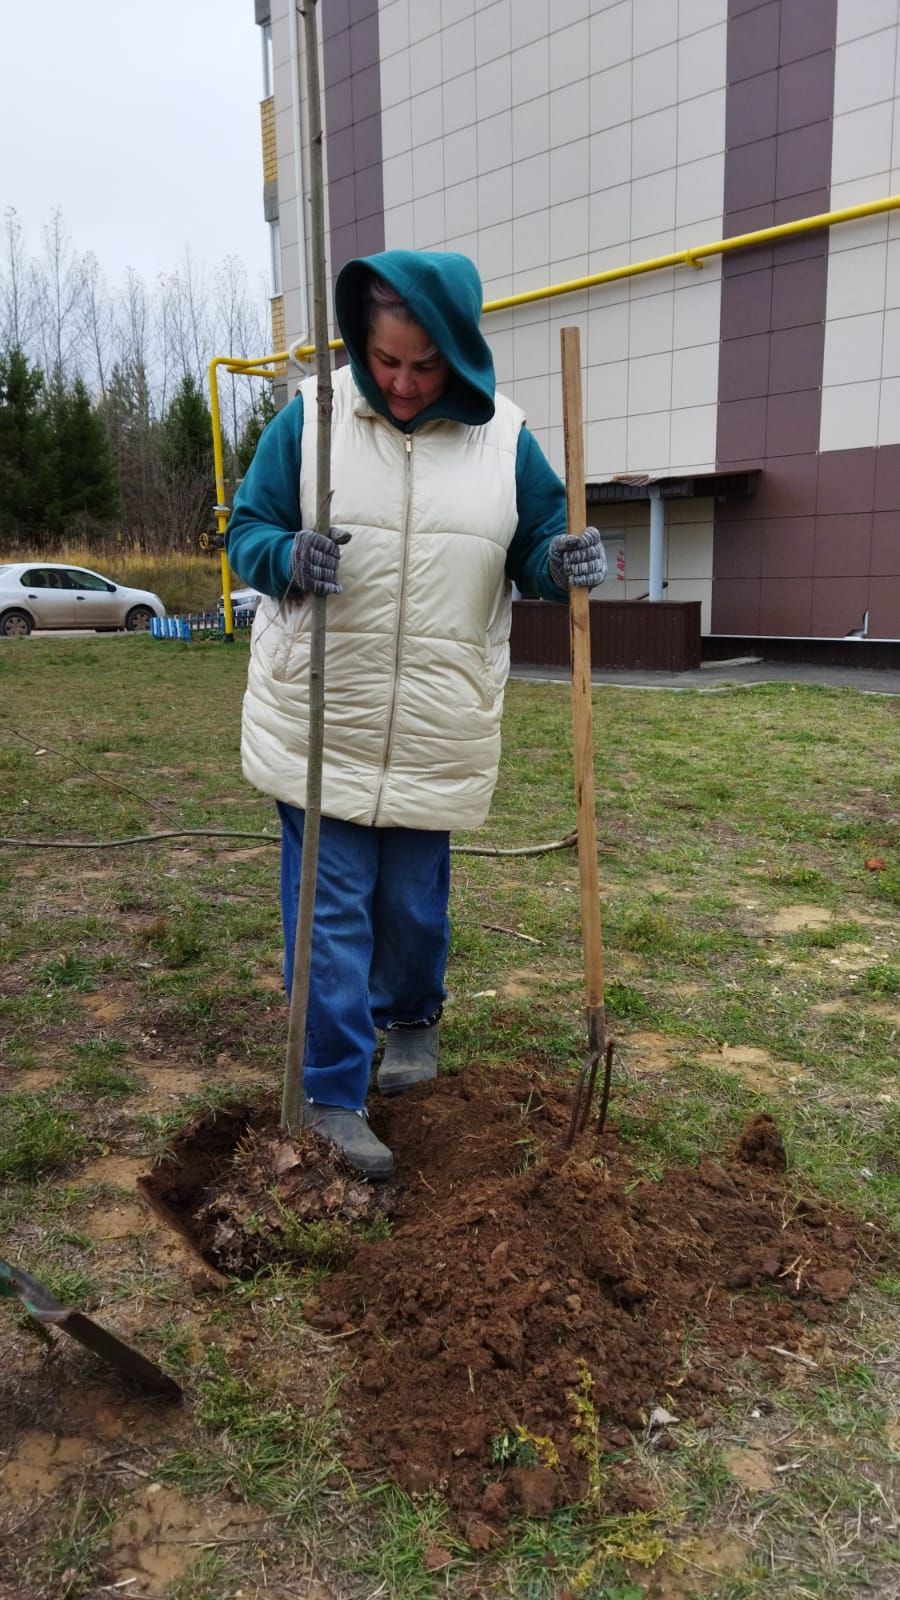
(657, 542)
(297, 139)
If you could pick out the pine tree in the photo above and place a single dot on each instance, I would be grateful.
(188, 430)
(86, 489)
(135, 442)
(259, 418)
(188, 458)
(27, 450)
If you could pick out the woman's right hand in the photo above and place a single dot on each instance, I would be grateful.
(314, 561)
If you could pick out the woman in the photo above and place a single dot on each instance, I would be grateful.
(441, 500)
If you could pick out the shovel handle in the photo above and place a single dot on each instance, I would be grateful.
(582, 728)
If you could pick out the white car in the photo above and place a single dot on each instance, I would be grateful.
(243, 607)
(48, 594)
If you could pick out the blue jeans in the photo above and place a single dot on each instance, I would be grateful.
(381, 934)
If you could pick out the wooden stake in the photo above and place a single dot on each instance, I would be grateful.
(582, 729)
(293, 1066)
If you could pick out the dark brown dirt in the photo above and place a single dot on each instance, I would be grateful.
(524, 1287)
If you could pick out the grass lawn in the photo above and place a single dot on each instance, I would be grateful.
(752, 963)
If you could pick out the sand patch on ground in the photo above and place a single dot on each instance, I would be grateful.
(750, 1468)
(652, 1052)
(270, 982)
(37, 1078)
(40, 1463)
(121, 1172)
(700, 1563)
(153, 1543)
(164, 1084)
(116, 1220)
(105, 1008)
(791, 919)
(754, 1066)
(522, 982)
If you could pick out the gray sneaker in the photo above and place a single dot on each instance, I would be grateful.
(350, 1132)
(410, 1057)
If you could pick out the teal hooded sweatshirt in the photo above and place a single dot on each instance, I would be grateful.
(443, 292)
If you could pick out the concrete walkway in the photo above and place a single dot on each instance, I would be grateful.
(716, 676)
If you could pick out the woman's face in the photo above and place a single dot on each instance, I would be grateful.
(408, 369)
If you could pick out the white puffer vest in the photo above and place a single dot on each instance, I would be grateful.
(417, 645)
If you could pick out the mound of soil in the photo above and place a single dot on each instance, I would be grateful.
(525, 1294)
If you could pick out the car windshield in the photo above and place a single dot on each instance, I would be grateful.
(5, 566)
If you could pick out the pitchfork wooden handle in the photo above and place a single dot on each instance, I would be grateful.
(580, 630)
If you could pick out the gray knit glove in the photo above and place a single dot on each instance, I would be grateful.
(577, 559)
(314, 561)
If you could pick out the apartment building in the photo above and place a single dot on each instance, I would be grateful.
(744, 407)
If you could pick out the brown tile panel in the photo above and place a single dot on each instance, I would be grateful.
(738, 552)
(366, 140)
(368, 192)
(805, 91)
(887, 478)
(744, 367)
(338, 106)
(839, 606)
(735, 605)
(786, 546)
(750, 175)
(804, 161)
(798, 291)
(364, 42)
(886, 544)
(843, 545)
(341, 160)
(741, 431)
(370, 234)
(795, 360)
(753, 41)
(884, 608)
(352, 84)
(366, 93)
(751, 110)
(335, 17)
(846, 481)
(792, 423)
(336, 56)
(807, 27)
(785, 605)
(747, 304)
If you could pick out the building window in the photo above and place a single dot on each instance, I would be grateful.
(275, 246)
(267, 61)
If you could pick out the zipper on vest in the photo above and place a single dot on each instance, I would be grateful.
(398, 629)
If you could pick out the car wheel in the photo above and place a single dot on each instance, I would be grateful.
(138, 619)
(15, 625)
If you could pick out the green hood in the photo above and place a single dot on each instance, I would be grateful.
(443, 292)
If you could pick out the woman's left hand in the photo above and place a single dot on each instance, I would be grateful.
(578, 559)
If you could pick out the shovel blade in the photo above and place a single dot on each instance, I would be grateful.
(47, 1310)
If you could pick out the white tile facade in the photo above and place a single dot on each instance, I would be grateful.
(566, 139)
(860, 390)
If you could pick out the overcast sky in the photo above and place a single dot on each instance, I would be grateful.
(141, 120)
